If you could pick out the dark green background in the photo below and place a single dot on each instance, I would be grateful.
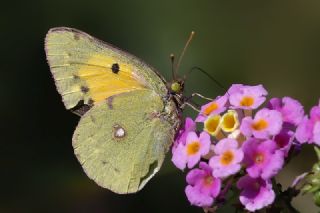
(275, 43)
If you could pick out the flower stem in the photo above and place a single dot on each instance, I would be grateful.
(283, 198)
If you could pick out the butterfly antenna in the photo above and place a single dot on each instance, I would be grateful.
(172, 66)
(183, 52)
(208, 75)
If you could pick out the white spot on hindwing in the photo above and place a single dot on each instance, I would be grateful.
(118, 132)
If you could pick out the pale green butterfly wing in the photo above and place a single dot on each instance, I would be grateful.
(87, 70)
(121, 143)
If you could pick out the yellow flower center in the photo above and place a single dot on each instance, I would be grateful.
(229, 121)
(256, 186)
(247, 101)
(193, 148)
(227, 158)
(211, 125)
(212, 107)
(259, 158)
(207, 181)
(260, 125)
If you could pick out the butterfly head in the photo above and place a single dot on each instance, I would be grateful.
(177, 86)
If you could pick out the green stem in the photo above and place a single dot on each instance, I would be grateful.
(285, 197)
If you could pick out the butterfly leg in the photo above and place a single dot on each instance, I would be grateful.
(189, 105)
(201, 96)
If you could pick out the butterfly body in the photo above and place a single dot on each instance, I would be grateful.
(128, 115)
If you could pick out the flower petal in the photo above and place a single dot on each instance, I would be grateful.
(197, 198)
(179, 157)
(304, 130)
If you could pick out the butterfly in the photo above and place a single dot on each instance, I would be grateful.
(129, 113)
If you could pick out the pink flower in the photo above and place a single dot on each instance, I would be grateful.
(266, 123)
(304, 131)
(284, 140)
(256, 193)
(246, 97)
(315, 123)
(189, 126)
(212, 108)
(235, 88)
(228, 158)
(203, 188)
(191, 152)
(262, 159)
(309, 129)
(291, 109)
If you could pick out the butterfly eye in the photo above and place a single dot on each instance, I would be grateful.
(176, 87)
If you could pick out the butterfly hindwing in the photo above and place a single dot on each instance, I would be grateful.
(87, 70)
(121, 143)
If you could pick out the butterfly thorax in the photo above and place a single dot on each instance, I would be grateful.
(172, 111)
(173, 102)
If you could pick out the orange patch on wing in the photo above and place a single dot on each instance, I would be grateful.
(102, 82)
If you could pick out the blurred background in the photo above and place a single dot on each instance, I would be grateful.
(274, 43)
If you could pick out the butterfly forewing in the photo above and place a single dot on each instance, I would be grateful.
(88, 71)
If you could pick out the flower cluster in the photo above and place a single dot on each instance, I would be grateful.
(243, 142)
